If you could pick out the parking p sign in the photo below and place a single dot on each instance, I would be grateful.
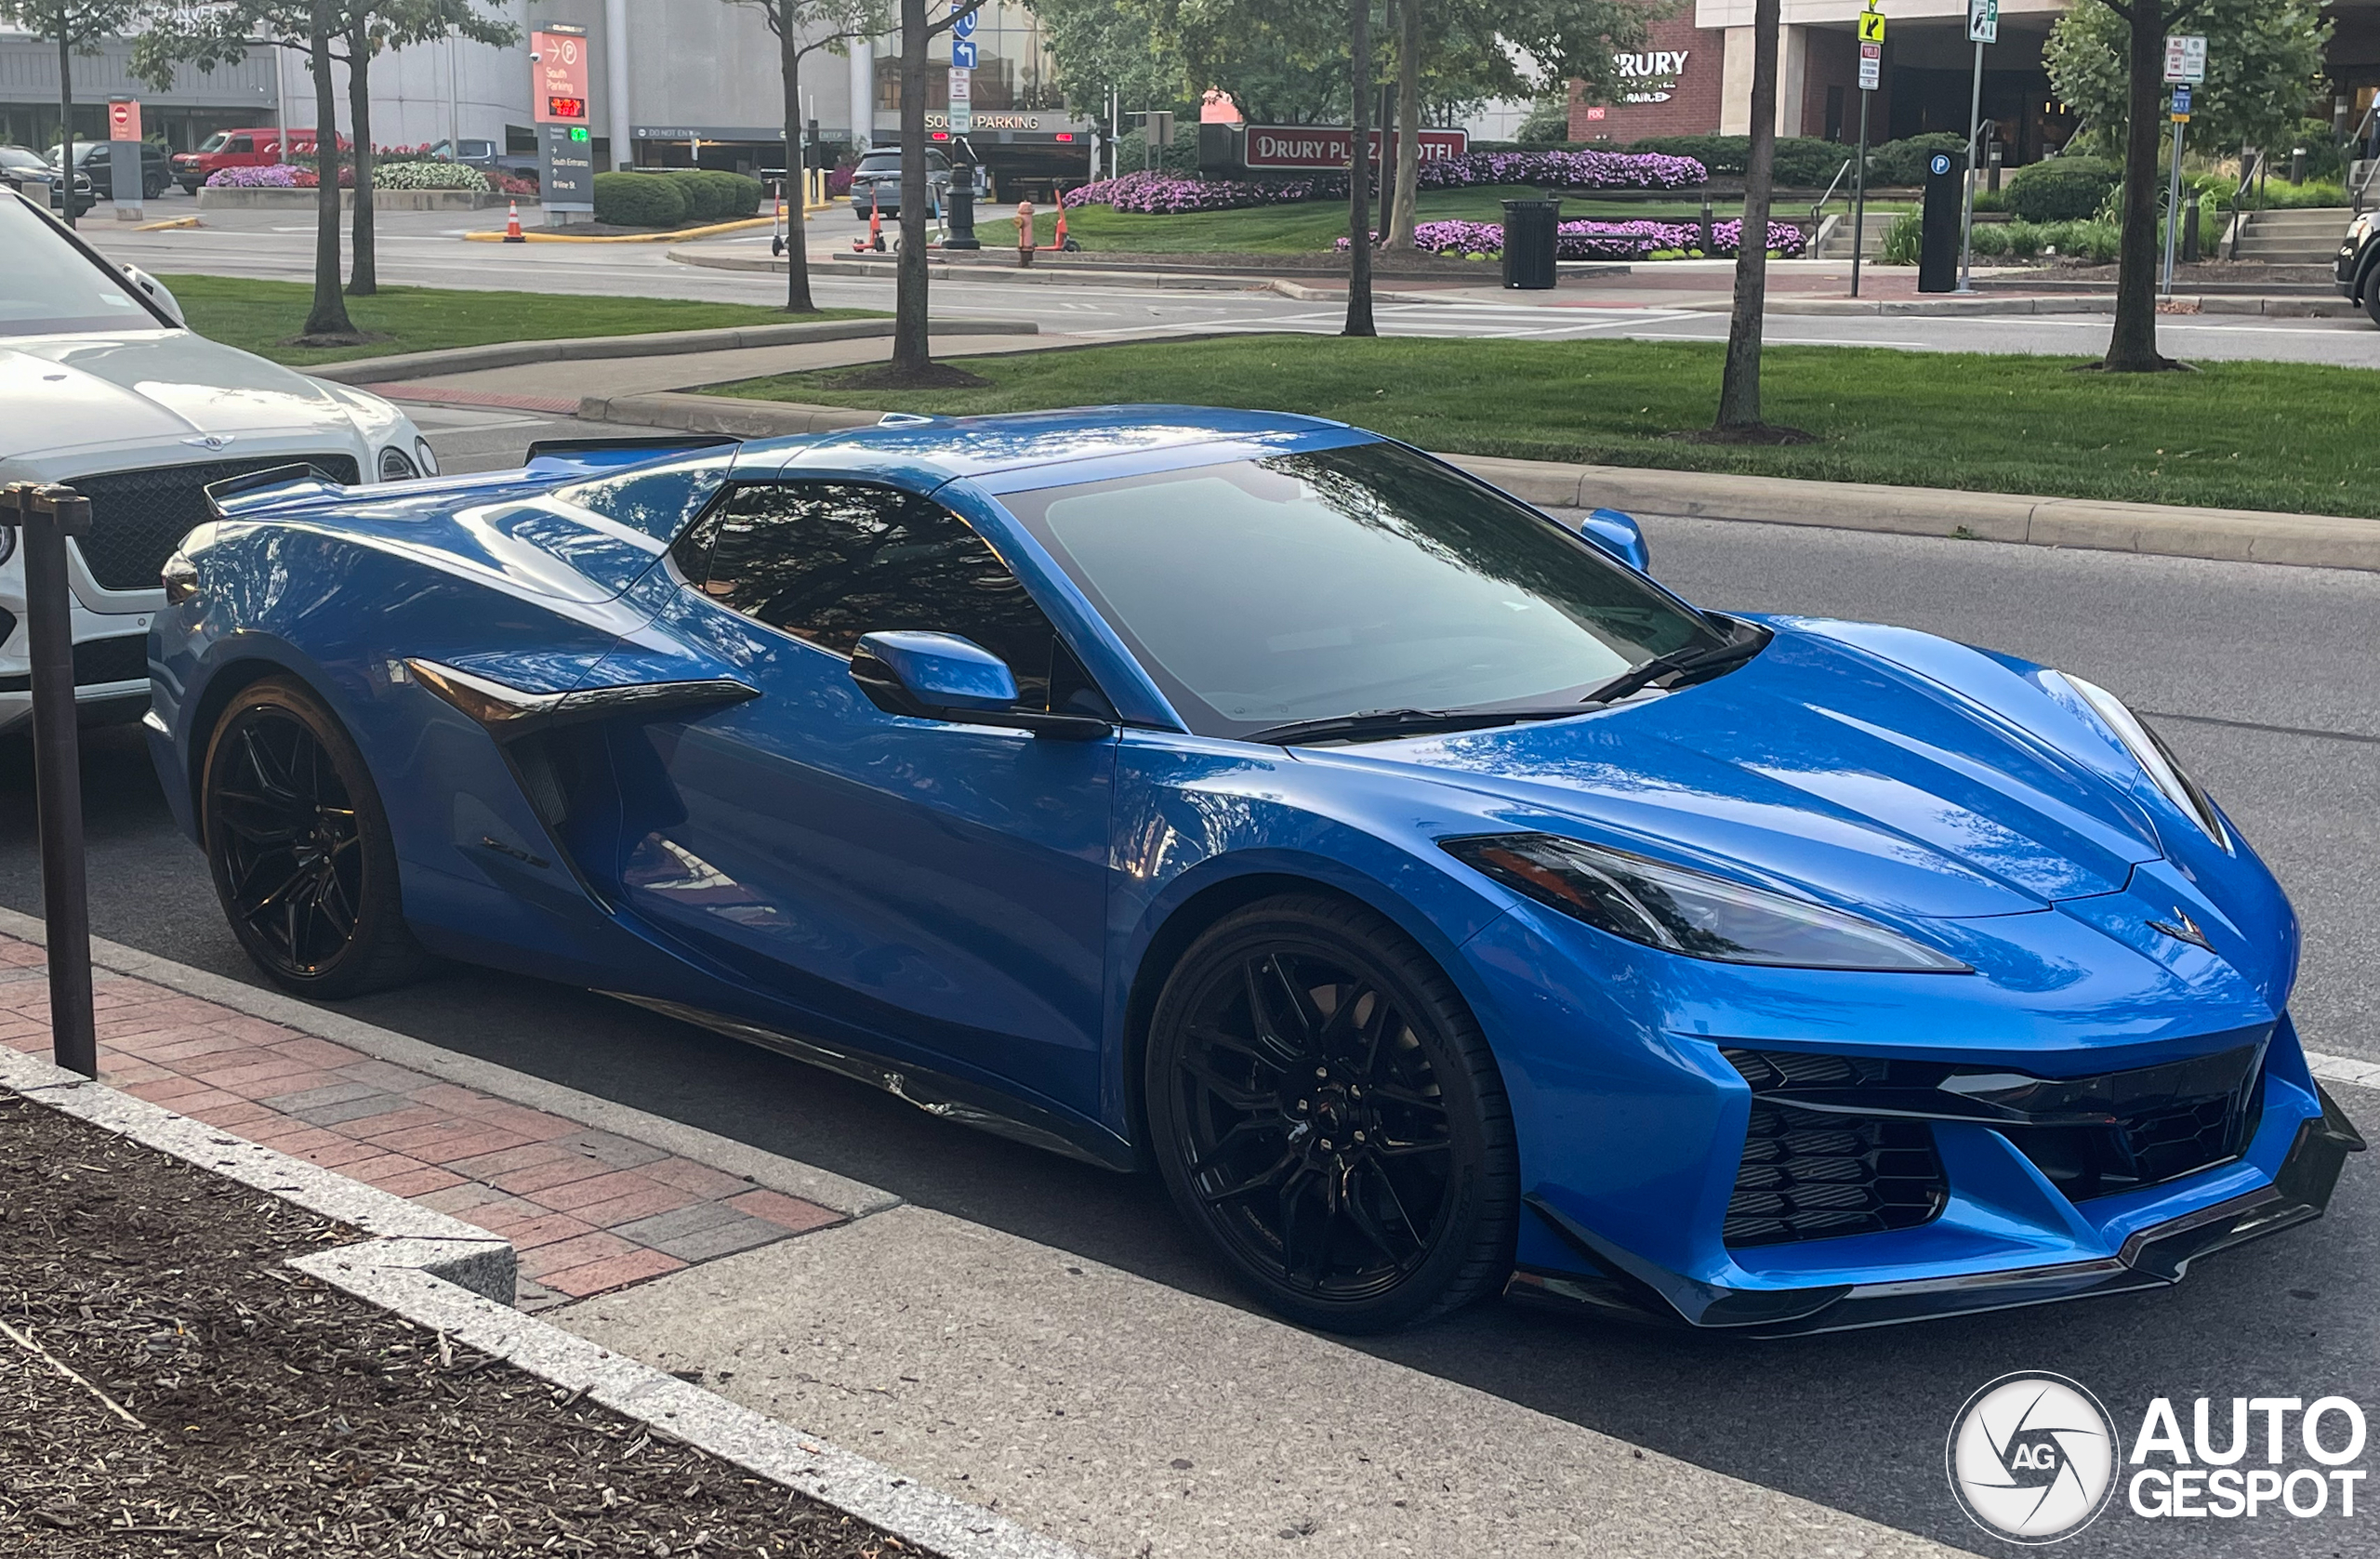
(1983, 21)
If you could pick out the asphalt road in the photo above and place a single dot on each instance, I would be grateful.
(426, 249)
(2258, 675)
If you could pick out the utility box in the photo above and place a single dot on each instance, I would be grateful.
(1937, 250)
(1532, 228)
(1221, 148)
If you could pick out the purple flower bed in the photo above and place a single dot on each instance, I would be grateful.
(275, 176)
(1605, 241)
(1153, 192)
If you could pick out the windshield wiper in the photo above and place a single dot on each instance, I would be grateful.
(1691, 660)
(1398, 723)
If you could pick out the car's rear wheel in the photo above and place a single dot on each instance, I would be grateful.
(2372, 294)
(302, 856)
(1326, 1111)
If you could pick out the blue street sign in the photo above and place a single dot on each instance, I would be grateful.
(2181, 97)
(962, 53)
(1941, 162)
(964, 27)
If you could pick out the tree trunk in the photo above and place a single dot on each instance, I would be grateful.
(2132, 345)
(363, 278)
(1739, 383)
(328, 316)
(1359, 172)
(1404, 219)
(910, 354)
(797, 247)
(65, 118)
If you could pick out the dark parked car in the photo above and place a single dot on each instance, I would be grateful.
(2359, 263)
(26, 171)
(95, 160)
(486, 156)
(877, 182)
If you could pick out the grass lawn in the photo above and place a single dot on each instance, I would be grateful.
(1312, 225)
(2297, 437)
(259, 316)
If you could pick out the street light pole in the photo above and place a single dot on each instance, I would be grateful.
(42, 518)
(1975, 141)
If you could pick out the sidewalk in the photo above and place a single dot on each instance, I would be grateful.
(590, 1211)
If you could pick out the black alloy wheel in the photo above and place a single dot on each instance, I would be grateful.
(302, 858)
(1326, 1111)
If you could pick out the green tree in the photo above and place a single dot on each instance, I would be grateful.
(1360, 182)
(77, 27)
(912, 357)
(2264, 63)
(1739, 377)
(803, 28)
(1100, 43)
(1283, 61)
(379, 26)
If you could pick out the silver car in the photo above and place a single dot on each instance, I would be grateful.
(877, 182)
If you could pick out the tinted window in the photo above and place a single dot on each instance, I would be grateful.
(242, 143)
(1346, 581)
(827, 563)
(880, 162)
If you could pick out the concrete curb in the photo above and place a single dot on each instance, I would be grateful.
(658, 343)
(2222, 534)
(849, 1197)
(538, 235)
(825, 271)
(2075, 303)
(444, 1275)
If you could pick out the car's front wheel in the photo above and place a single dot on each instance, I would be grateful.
(303, 860)
(1326, 1111)
(2372, 294)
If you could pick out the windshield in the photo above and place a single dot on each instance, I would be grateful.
(1305, 586)
(217, 141)
(880, 162)
(48, 285)
(18, 157)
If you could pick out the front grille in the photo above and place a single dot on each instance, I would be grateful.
(137, 518)
(96, 662)
(1810, 1176)
(2156, 1123)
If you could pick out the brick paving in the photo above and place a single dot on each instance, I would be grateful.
(589, 1211)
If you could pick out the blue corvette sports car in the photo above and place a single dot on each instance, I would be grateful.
(1434, 900)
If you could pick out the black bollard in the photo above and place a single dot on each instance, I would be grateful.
(43, 518)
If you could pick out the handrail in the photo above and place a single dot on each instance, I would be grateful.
(2240, 212)
(1819, 209)
(2358, 137)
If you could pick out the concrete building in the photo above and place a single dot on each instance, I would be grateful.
(691, 83)
(1695, 75)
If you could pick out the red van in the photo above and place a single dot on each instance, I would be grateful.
(240, 149)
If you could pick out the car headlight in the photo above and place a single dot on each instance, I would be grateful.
(1690, 912)
(2150, 752)
(425, 456)
(396, 465)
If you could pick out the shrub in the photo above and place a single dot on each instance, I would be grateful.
(2061, 190)
(713, 196)
(1603, 241)
(639, 200)
(1903, 161)
(2024, 240)
(1903, 238)
(1157, 192)
(1803, 162)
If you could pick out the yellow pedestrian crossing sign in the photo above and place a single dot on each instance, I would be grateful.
(1872, 27)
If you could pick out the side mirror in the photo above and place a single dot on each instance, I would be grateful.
(943, 677)
(156, 290)
(1618, 534)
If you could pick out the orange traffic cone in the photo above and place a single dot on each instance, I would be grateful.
(875, 222)
(512, 223)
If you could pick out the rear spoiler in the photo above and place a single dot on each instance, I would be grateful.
(316, 483)
(608, 453)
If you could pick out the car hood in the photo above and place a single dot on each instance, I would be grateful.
(59, 392)
(1824, 767)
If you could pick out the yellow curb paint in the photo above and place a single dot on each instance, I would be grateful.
(536, 235)
(169, 222)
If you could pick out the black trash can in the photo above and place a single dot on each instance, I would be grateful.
(1530, 230)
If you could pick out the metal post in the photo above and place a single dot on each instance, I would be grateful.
(43, 518)
(1859, 196)
(2173, 209)
(1967, 206)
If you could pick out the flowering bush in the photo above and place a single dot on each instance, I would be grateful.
(276, 176)
(1157, 193)
(429, 176)
(512, 183)
(839, 182)
(1605, 241)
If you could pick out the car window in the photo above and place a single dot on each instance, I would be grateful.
(48, 285)
(1345, 581)
(216, 142)
(937, 162)
(828, 561)
(880, 162)
(656, 499)
(241, 143)
(17, 157)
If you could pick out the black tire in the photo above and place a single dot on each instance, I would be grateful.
(2372, 294)
(1347, 1146)
(301, 850)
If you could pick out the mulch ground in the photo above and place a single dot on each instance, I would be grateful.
(230, 1408)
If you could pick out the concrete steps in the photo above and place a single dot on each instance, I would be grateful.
(2293, 237)
(1834, 239)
